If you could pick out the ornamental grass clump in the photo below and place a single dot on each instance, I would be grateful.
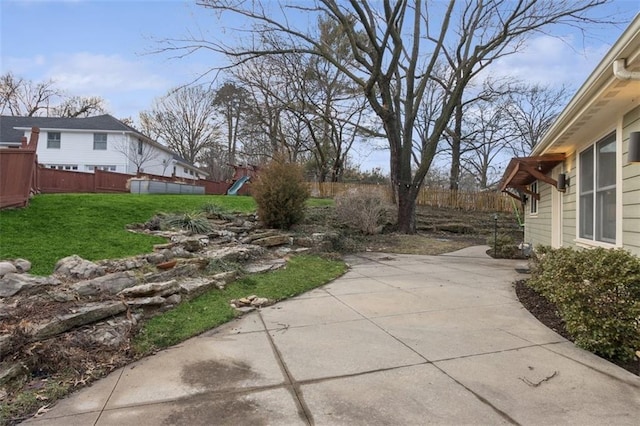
(597, 293)
(280, 193)
(194, 222)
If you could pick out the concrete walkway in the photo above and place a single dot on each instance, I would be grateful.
(398, 340)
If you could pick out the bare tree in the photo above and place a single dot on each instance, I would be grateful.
(531, 110)
(183, 120)
(398, 45)
(79, 106)
(138, 153)
(24, 97)
(231, 102)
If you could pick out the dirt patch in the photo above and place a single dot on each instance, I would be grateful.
(547, 313)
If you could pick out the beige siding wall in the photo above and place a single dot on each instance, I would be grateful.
(569, 208)
(538, 226)
(630, 187)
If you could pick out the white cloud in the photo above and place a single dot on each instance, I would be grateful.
(550, 61)
(88, 73)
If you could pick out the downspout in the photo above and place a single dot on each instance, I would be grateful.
(622, 73)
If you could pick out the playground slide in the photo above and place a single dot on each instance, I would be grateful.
(237, 185)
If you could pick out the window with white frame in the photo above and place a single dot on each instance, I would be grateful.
(63, 166)
(53, 140)
(140, 147)
(105, 168)
(597, 172)
(100, 141)
(533, 205)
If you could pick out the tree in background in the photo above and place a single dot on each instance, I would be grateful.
(398, 46)
(139, 154)
(531, 110)
(21, 97)
(183, 120)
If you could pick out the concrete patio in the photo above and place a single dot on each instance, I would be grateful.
(398, 340)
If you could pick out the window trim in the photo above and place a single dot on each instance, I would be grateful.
(586, 242)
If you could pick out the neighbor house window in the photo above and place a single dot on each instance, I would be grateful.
(533, 208)
(598, 191)
(53, 140)
(100, 141)
(140, 147)
(63, 166)
(105, 168)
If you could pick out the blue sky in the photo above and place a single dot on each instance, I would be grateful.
(101, 48)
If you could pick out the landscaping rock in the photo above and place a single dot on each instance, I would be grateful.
(146, 301)
(7, 268)
(196, 286)
(265, 266)
(13, 283)
(155, 258)
(273, 241)
(22, 265)
(187, 270)
(259, 302)
(76, 267)
(174, 299)
(156, 289)
(110, 284)
(112, 333)
(237, 254)
(86, 314)
(5, 344)
(10, 370)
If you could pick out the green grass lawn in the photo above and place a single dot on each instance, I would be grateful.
(93, 225)
(188, 319)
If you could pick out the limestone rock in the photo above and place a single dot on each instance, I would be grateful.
(86, 314)
(146, 301)
(196, 286)
(187, 270)
(77, 268)
(110, 283)
(13, 283)
(22, 265)
(5, 344)
(259, 302)
(158, 289)
(7, 268)
(155, 258)
(10, 370)
(236, 253)
(265, 266)
(174, 299)
(273, 241)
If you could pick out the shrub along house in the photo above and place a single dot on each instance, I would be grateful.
(581, 184)
(100, 142)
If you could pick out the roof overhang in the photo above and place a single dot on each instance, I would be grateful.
(522, 171)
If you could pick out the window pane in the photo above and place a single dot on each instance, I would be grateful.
(100, 141)
(586, 170)
(586, 216)
(53, 140)
(607, 162)
(606, 214)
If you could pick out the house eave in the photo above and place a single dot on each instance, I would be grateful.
(598, 100)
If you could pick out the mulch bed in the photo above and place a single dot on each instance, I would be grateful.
(547, 314)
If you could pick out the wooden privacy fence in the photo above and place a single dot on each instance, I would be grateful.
(18, 177)
(464, 200)
(65, 181)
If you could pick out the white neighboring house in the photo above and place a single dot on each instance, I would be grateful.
(100, 142)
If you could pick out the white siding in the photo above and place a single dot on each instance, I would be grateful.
(76, 149)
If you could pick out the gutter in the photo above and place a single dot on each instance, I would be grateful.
(622, 73)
